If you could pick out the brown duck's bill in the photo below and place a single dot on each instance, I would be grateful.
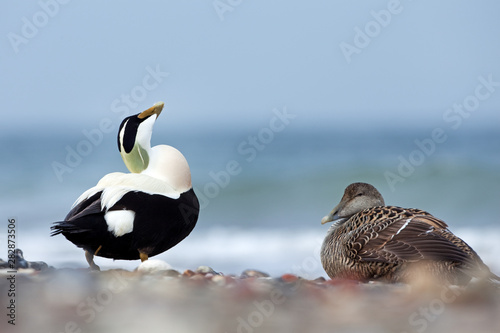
(155, 109)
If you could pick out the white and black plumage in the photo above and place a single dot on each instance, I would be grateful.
(139, 214)
(369, 240)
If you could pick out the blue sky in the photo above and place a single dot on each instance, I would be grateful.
(68, 65)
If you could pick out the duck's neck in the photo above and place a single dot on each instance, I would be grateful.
(168, 164)
(138, 159)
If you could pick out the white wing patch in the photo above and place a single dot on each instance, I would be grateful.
(120, 222)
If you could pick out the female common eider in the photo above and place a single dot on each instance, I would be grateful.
(139, 214)
(370, 241)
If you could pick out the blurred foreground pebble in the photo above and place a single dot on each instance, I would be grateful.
(153, 266)
(157, 298)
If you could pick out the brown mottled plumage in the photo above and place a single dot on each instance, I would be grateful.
(370, 241)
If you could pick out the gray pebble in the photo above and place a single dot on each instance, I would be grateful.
(206, 270)
(248, 273)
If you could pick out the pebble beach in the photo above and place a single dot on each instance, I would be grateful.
(157, 298)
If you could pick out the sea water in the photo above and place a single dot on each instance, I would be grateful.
(262, 194)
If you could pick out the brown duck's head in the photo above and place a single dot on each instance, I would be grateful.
(357, 197)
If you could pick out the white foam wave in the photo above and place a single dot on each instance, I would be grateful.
(232, 250)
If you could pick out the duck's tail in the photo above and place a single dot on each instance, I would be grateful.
(66, 227)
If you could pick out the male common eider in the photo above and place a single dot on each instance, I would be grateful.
(139, 214)
(370, 241)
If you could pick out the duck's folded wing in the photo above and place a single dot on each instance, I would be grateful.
(407, 240)
(90, 206)
(87, 207)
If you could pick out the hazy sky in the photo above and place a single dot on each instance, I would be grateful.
(228, 63)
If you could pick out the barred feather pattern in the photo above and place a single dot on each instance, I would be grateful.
(382, 242)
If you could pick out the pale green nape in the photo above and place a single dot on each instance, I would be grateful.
(137, 160)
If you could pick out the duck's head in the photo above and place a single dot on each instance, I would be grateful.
(357, 197)
(134, 138)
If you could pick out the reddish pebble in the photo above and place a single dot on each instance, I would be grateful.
(289, 278)
(188, 273)
(230, 279)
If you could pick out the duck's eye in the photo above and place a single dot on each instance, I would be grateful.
(359, 194)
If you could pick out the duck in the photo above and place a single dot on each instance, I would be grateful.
(369, 241)
(140, 214)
